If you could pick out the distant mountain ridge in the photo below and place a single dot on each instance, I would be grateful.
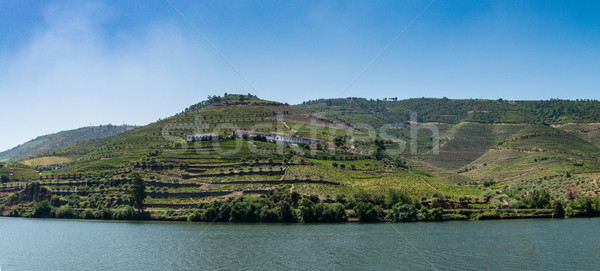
(53, 142)
(454, 111)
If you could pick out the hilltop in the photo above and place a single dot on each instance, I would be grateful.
(451, 111)
(53, 142)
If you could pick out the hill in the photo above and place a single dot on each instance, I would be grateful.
(521, 144)
(380, 112)
(323, 157)
(53, 142)
(240, 155)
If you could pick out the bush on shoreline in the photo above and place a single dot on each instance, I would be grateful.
(288, 207)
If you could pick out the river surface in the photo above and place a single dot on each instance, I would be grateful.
(541, 244)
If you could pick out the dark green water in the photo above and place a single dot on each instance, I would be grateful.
(542, 244)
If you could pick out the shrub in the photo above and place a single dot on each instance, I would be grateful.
(239, 211)
(88, 214)
(195, 216)
(490, 214)
(334, 212)
(43, 209)
(403, 213)
(437, 214)
(16, 212)
(306, 210)
(584, 207)
(211, 213)
(126, 213)
(4, 179)
(56, 201)
(539, 198)
(286, 212)
(424, 214)
(340, 198)
(394, 196)
(106, 214)
(224, 212)
(365, 211)
(557, 209)
(267, 214)
(65, 212)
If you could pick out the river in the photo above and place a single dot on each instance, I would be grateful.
(542, 244)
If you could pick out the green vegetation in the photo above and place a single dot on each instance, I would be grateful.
(497, 159)
(386, 111)
(50, 143)
(138, 191)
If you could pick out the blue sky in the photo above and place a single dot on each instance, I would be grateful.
(67, 64)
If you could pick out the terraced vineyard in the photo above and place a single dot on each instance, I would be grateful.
(180, 174)
(480, 164)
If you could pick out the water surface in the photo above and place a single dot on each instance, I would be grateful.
(542, 244)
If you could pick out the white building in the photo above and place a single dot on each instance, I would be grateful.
(196, 137)
(280, 138)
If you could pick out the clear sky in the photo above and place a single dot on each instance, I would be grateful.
(68, 64)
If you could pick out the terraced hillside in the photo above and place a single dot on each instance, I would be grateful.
(536, 151)
(587, 131)
(484, 140)
(492, 154)
(181, 174)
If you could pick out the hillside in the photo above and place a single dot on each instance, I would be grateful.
(380, 112)
(483, 141)
(330, 156)
(340, 161)
(53, 142)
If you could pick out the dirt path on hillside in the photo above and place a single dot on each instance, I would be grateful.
(286, 126)
(284, 172)
(427, 183)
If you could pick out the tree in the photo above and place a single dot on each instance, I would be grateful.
(558, 210)
(88, 214)
(43, 209)
(4, 179)
(405, 213)
(334, 212)
(286, 212)
(365, 211)
(239, 211)
(539, 198)
(380, 149)
(339, 141)
(393, 196)
(306, 208)
(340, 198)
(138, 191)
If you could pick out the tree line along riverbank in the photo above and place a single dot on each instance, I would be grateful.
(284, 205)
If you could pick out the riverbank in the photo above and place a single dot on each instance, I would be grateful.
(283, 205)
(192, 215)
